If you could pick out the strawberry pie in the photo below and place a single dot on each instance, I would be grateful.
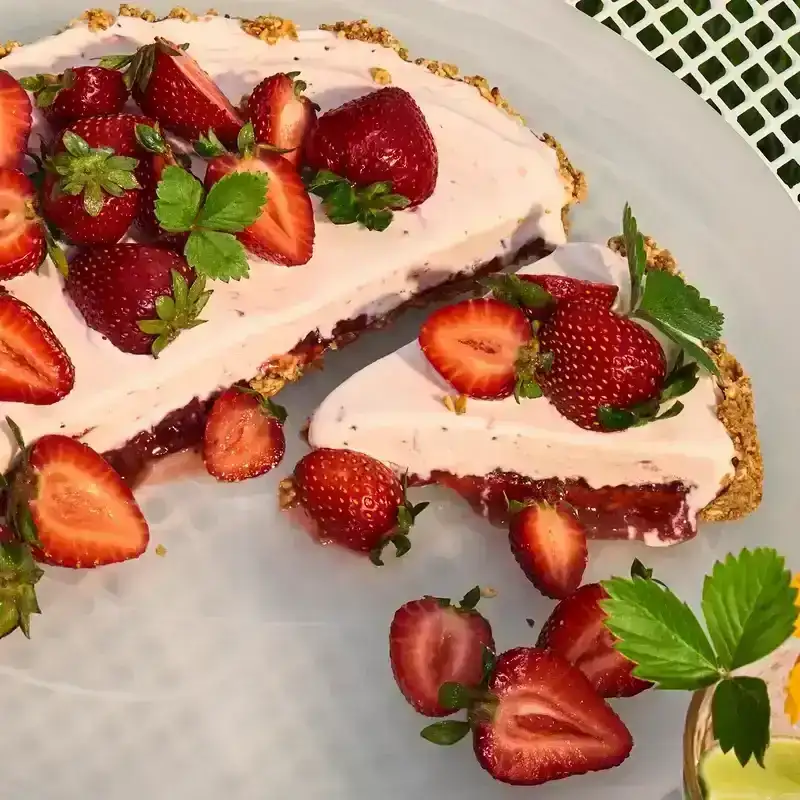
(590, 380)
(226, 200)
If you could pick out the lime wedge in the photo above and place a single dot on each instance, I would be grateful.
(725, 778)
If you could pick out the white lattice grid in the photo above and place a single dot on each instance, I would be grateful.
(741, 56)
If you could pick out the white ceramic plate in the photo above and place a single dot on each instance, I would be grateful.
(250, 663)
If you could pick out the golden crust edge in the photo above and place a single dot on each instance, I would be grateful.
(741, 492)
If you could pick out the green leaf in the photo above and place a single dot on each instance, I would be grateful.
(615, 419)
(691, 347)
(749, 606)
(668, 298)
(680, 381)
(445, 733)
(153, 327)
(740, 713)
(489, 660)
(75, 145)
(219, 256)
(455, 696)
(93, 200)
(246, 140)
(515, 291)
(471, 599)
(209, 146)
(322, 181)
(179, 196)
(639, 570)
(660, 634)
(151, 140)
(404, 518)
(234, 203)
(47, 96)
(180, 289)
(375, 220)
(526, 389)
(402, 544)
(116, 62)
(33, 83)
(634, 250)
(165, 308)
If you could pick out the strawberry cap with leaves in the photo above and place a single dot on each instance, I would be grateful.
(748, 605)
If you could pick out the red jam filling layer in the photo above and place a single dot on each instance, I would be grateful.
(645, 512)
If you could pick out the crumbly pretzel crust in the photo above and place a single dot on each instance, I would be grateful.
(740, 493)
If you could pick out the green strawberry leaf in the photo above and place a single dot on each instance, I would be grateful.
(668, 298)
(179, 197)
(446, 733)
(471, 599)
(740, 711)
(216, 255)
(234, 203)
(455, 696)
(210, 146)
(637, 259)
(176, 313)
(345, 204)
(151, 139)
(515, 291)
(660, 634)
(749, 606)
(246, 140)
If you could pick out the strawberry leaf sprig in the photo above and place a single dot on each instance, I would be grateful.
(345, 203)
(668, 303)
(211, 219)
(748, 605)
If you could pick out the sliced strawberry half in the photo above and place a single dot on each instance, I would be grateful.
(545, 722)
(281, 114)
(15, 121)
(34, 366)
(549, 544)
(84, 514)
(169, 85)
(244, 435)
(284, 232)
(433, 642)
(22, 236)
(475, 346)
(576, 631)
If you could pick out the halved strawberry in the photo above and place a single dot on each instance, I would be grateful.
(576, 631)
(15, 121)
(433, 642)
(281, 114)
(34, 366)
(475, 346)
(84, 514)
(545, 722)
(549, 543)
(244, 435)
(284, 232)
(169, 85)
(22, 236)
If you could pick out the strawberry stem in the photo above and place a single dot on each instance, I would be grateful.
(344, 203)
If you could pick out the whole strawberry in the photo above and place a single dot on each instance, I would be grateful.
(140, 298)
(382, 137)
(169, 85)
(77, 93)
(600, 361)
(117, 131)
(89, 193)
(354, 501)
(281, 114)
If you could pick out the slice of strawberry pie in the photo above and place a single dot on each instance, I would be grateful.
(248, 197)
(587, 378)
